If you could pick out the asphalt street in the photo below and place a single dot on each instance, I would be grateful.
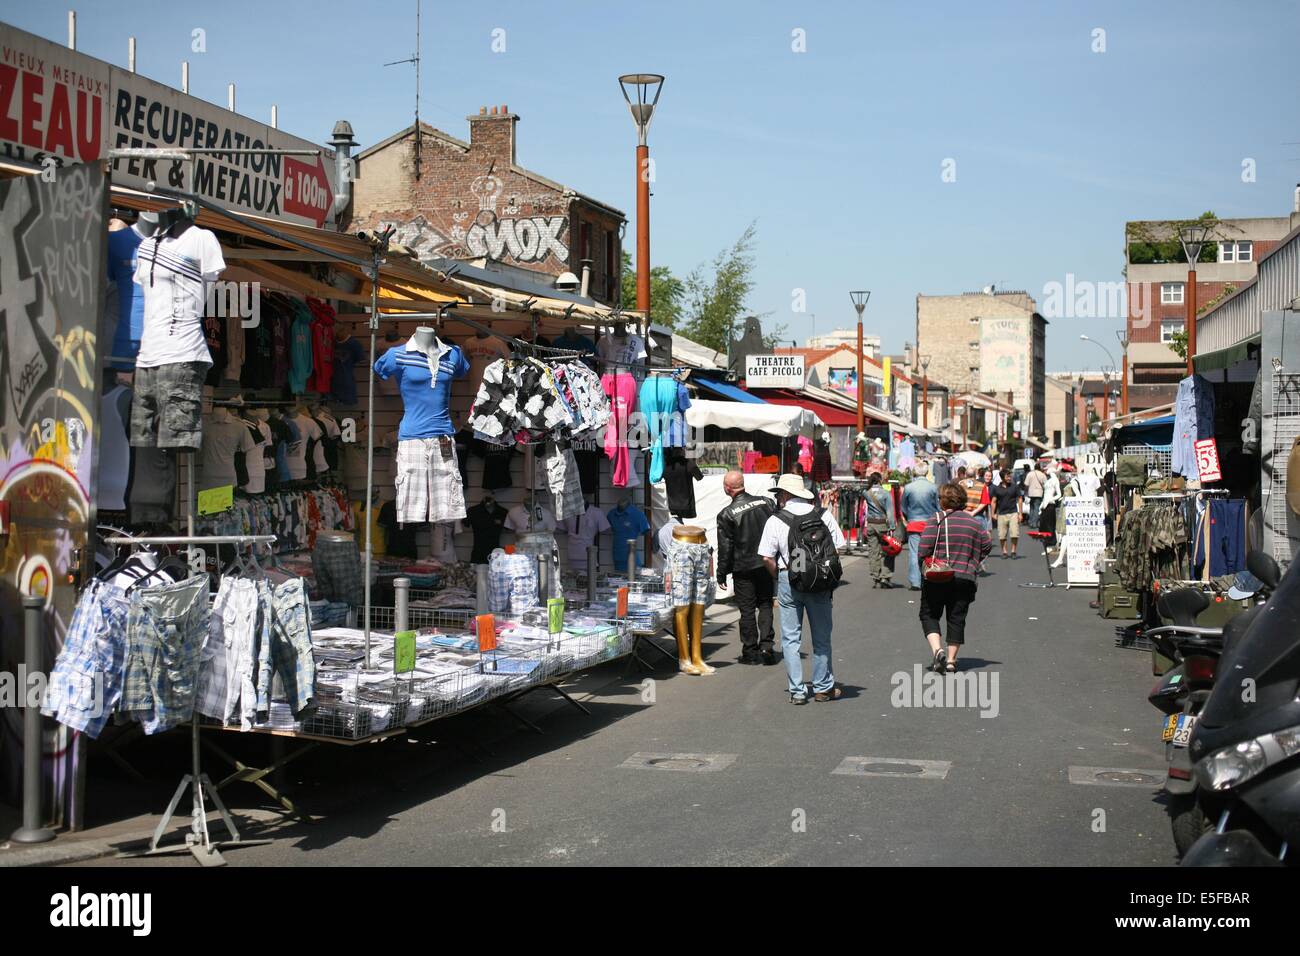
(944, 785)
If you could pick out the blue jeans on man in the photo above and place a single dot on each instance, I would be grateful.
(1034, 505)
(792, 605)
(914, 559)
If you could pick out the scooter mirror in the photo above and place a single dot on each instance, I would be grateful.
(1262, 565)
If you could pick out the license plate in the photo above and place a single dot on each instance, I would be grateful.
(1183, 732)
(1171, 726)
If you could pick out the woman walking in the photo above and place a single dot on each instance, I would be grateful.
(958, 542)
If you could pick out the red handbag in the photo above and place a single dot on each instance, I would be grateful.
(935, 569)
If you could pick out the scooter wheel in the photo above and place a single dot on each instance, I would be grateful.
(1188, 821)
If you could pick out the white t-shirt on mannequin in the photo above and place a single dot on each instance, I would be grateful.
(296, 453)
(175, 273)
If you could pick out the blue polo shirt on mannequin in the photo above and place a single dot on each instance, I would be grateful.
(626, 524)
(425, 382)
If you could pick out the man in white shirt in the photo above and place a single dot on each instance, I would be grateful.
(795, 500)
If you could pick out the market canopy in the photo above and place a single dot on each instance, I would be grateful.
(780, 420)
(727, 391)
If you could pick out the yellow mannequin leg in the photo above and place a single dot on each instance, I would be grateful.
(697, 639)
(681, 626)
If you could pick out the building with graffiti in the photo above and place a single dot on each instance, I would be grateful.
(451, 199)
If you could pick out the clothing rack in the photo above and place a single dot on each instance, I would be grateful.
(198, 841)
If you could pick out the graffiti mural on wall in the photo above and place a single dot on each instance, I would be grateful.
(52, 268)
(476, 229)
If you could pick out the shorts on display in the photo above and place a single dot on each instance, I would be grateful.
(166, 628)
(428, 481)
(167, 405)
(692, 574)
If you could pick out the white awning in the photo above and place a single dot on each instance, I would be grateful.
(780, 420)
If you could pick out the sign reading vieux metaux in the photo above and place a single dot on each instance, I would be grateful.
(62, 105)
(774, 371)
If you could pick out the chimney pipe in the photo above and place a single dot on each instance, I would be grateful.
(130, 54)
(1297, 198)
(343, 144)
(586, 277)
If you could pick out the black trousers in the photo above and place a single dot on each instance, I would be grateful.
(754, 593)
(952, 598)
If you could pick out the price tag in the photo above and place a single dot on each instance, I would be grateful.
(486, 628)
(1207, 460)
(622, 603)
(555, 614)
(216, 500)
(404, 652)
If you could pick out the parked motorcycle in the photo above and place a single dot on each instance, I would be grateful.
(1246, 743)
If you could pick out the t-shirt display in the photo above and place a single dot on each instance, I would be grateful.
(582, 531)
(347, 354)
(425, 381)
(114, 451)
(482, 352)
(309, 434)
(224, 438)
(175, 271)
(627, 349)
(486, 521)
(517, 520)
(627, 523)
(126, 307)
(301, 351)
(256, 462)
(322, 347)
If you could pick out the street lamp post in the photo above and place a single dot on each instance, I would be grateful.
(1123, 382)
(859, 300)
(1193, 237)
(925, 391)
(645, 89)
(1105, 377)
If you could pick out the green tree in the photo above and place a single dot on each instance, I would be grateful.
(716, 293)
(666, 292)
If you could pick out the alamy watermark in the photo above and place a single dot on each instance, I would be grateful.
(28, 688)
(924, 688)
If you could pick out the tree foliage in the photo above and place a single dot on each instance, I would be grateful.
(666, 292)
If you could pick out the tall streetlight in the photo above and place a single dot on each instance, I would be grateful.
(641, 91)
(925, 391)
(859, 300)
(1105, 377)
(1123, 382)
(1193, 237)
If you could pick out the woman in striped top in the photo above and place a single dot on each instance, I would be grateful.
(960, 538)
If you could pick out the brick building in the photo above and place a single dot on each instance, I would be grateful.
(1156, 273)
(472, 201)
(987, 341)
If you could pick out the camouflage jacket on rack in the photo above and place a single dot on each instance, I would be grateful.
(1152, 543)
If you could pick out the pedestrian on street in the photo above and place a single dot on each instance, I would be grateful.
(920, 503)
(881, 521)
(1033, 482)
(740, 529)
(796, 502)
(955, 536)
(1006, 503)
(1051, 496)
(977, 501)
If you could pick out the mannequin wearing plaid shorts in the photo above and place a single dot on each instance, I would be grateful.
(691, 565)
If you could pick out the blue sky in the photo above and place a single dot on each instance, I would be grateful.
(836, 152)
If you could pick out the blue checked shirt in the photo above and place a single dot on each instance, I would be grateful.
(512, 582)
(94, 653)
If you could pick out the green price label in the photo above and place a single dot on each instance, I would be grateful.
(216, 500)
(555, 614)
(404, 652)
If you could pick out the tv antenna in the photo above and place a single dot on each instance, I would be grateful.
(415, 58)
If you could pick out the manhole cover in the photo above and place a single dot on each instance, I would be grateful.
(688, 763)
(899, 768)
(1116, 777)
(677, 763)
(893, 767)
(1126, 776)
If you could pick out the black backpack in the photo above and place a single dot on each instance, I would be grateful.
(814, 562)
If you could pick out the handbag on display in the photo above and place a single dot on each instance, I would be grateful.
(936, 569)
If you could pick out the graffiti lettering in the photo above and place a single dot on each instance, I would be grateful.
(526, 240)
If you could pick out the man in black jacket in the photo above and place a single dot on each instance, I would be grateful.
(740, 528)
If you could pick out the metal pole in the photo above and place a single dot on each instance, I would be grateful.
(925, 400)
(1123, 397)
(643, 229)
(631, 560)
(31, 831)
(591, 573)
(862, 421)
(370, 439)
(481, 589)
(401, 604)
(1191, 318)
(543, 578)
